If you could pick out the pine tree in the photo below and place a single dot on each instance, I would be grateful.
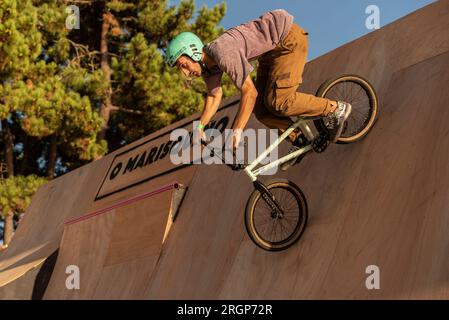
(143, 94)
(20, 46)
(44, 102)
(15, 197)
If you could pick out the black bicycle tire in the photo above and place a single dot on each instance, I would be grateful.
(249, 215)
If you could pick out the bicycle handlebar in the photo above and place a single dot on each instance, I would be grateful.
(235, 167)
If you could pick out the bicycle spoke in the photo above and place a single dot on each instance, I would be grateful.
(338, 97)
(359, 99)
(351, 91)
(292, 226)
(262, 224)
(282, 228)
(274, 228)
(293, 215)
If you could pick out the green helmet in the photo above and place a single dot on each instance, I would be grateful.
(184, 43)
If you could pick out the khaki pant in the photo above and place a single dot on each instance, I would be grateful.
(278, 78)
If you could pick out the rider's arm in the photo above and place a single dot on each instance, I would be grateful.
(211, 104)
(247, 102)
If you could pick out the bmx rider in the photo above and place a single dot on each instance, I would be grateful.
(280, 46)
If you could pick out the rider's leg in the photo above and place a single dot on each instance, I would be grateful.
(275, 122)
(287, 63)
(260, 110)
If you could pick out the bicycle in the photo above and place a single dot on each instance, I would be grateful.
(268, 205)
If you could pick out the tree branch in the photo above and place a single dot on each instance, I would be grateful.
(115, 108)
(79, 1)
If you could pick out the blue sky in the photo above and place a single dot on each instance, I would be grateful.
(330, 23)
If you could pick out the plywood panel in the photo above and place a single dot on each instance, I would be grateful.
(113, 261)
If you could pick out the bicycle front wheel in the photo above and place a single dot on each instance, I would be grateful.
(269, 229)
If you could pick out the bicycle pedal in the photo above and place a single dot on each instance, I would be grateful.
(321, 143)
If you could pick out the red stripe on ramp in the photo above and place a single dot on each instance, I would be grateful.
(174, 185)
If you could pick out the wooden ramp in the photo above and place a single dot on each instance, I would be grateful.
(382, 201)
(116, 248)
(72, 195)
(41, 229)
(122, 175)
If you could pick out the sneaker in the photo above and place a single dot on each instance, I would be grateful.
(335, 121)
(298, 144)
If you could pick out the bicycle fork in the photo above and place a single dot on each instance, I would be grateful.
(269, 198)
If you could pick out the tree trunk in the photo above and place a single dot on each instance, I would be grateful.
(9, 148)
(106, 106)
(51, 157)
(23, 164)
(8, 228)
(9, 158)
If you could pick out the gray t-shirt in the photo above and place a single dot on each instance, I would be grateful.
(233, 50)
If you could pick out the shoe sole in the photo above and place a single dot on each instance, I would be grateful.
(340, 128)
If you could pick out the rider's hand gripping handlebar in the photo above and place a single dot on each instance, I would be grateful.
(235, 167)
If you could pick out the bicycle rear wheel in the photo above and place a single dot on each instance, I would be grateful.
(363, 98)
(269, 230)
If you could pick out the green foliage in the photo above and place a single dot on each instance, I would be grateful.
(52, 83)
(158, 90)
(48, 105)
(205, 25)
(48, 94)
(16, 193)
(20, 41)
(51, 25)
(143, 82)
(161, 23)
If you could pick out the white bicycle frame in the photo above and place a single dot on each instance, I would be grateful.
(308, 132)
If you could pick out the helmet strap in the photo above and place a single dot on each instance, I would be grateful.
(204, 67)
